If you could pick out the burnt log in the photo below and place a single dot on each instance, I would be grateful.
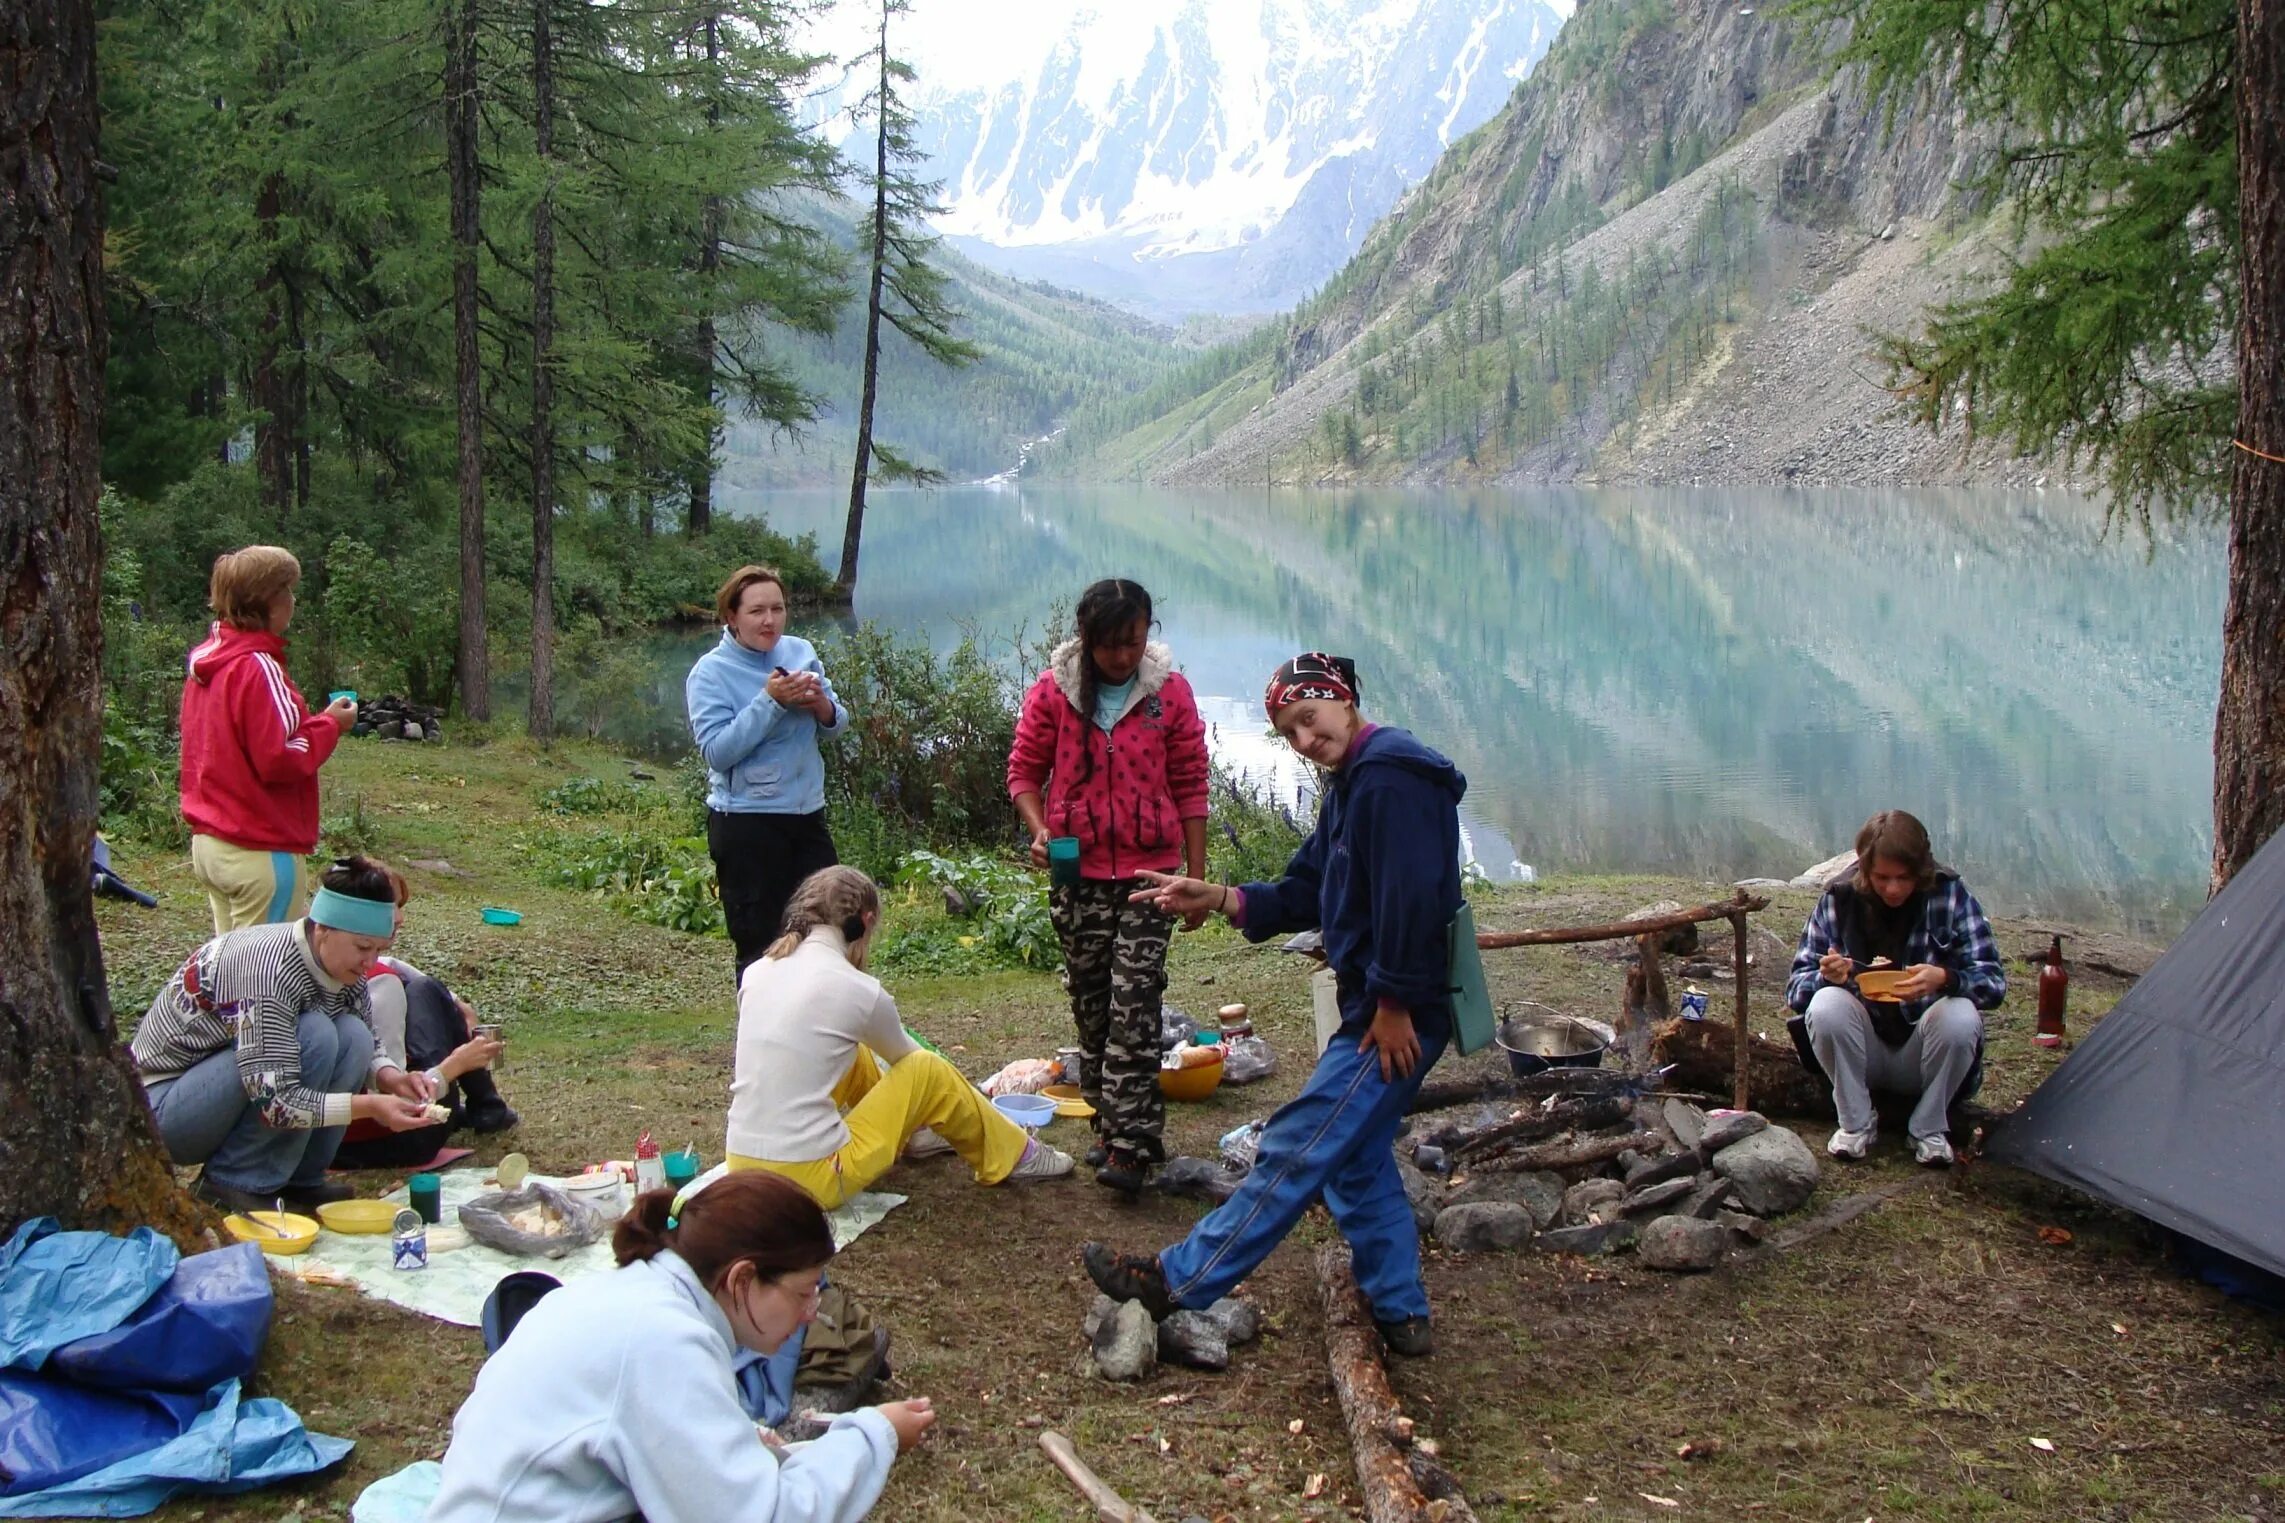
(1704, 1059)
(1570, 1152)
(1592, 1115)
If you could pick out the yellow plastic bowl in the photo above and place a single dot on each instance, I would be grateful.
(1880, 983)
(370, 1217)
(1068, 1101)
(274, 1231)
(1190, 1083)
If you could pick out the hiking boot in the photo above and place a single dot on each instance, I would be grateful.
(324, 1193)
(1040, 1161)
(1410, 1337)
(229, 1197)
(1933, 1150)
(492, 1115)
(925, 1144)
(1123, 1169)
(1851, 1145)
(1128, 1277)
(1095, 1156)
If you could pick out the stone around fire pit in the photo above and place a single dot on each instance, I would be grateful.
(1126, 1345)
(1583, 1199)
(1721, 1131)
(1602, 1237)
(1540, 1194)
(1490, 1226)
(1658, 1197)
(1772, 1172)
(1682, 1243)
(1195, 1339)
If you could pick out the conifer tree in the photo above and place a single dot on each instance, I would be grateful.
(902, 287)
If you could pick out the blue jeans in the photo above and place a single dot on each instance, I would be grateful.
(205, 1117)
(1333, 1139)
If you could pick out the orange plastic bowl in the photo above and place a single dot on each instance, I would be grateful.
(1880, 984)
(1190, 1083)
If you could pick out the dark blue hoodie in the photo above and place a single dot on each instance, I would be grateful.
(1380, 875)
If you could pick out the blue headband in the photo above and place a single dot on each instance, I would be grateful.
(359, 917)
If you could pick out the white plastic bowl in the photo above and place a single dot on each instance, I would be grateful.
(1029, 1111)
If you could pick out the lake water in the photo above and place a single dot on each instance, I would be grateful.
(1715, 682)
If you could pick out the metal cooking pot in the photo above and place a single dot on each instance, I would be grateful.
(1538, 1037)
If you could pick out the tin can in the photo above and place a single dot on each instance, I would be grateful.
(408, 1241)
(1693, 1004)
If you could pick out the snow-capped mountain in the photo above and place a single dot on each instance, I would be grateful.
(1195, 154)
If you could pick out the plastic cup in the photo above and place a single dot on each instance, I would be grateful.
(1063, 861)
(426, 1192)
(340, 693)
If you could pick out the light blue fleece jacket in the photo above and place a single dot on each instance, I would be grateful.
(613, 1398)
(760, 758)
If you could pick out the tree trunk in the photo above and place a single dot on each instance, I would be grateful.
(77, 1136)
(543, 379)
(460, 116)
(271, 459)
(845, 581)
(2249, 723)
(705, 345)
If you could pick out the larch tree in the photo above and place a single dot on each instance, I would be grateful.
(76, 1138)
(2143, 149)
(902, 288)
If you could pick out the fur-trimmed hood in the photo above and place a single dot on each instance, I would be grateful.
(1157, 666)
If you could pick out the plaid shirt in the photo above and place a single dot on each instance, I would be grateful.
(1952, 933)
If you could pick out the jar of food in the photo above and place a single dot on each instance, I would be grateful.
(1236, 1023)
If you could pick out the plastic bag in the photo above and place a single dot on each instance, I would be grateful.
(506, 1221)
(1025, 1076)
(1247, 1058)
(1175, 1027)
(1199, 1178)
(1242, 1146)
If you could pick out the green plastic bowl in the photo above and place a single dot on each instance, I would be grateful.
(496, 916)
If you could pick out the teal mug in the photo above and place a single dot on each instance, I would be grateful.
(1063, 861)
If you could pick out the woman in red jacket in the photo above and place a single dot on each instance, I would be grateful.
(1110, 750)
(251, 748)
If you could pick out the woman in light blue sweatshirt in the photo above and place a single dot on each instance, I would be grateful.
(757, 702)
(614, 1397)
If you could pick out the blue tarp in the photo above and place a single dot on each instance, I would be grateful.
(119, 1370)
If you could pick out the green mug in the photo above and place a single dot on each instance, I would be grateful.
(1063, 861)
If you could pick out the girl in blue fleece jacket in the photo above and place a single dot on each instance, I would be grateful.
(614, 1397)
(1380, 878)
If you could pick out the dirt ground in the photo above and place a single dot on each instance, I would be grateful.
(1902, 1366)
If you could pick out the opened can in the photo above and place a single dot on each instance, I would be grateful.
(1693, 1004)
(408, 1241)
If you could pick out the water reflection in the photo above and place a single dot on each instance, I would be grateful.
(1713, 682)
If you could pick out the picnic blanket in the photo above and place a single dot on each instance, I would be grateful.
(453, 1287)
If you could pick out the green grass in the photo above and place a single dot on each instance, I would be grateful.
(1897, 1368)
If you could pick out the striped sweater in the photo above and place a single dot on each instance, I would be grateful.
(247, 989)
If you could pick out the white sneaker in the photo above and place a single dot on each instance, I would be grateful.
(1852, 1145)
(1040, 1161)
(1934, 1150)
(925, 1144)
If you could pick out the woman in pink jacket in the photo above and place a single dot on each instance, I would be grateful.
(1110, 750)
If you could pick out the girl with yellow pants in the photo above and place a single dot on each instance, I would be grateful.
(828, 1086)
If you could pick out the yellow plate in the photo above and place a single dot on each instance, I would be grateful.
(358, 1216)
(1068, 1101)
(275, 1232)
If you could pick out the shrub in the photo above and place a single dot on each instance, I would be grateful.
(1008, 903)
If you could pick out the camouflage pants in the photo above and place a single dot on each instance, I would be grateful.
(1114, 967)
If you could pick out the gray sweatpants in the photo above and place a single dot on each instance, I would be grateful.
(1930, 1064)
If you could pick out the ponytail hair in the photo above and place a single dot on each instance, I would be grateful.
(836, 896)
(759, 1218)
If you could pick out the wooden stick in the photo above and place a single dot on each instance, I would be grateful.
(1589, 1115)
(1375, 1421)
(1744, 1089)
(1109, 1506)
(1491, 941)
(1563, 1153)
